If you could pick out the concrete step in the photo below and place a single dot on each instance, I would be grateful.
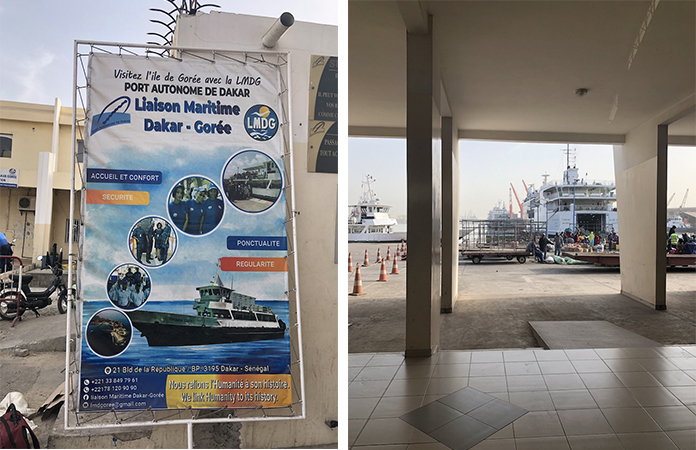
(569, 334)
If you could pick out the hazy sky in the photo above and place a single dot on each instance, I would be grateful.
(487, 168)
(36, 37)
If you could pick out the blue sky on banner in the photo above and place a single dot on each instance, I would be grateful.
(36, 37)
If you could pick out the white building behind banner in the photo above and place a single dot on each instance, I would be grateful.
(39, 153)
(315, 199)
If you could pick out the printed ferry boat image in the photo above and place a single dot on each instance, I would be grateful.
(369, 221)
(223, 316)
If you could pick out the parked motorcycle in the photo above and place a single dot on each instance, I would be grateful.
(33, 300)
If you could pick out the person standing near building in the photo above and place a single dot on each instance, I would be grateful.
(5, 250)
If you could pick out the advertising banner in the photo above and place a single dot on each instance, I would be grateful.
(323, 115)
(184, 277)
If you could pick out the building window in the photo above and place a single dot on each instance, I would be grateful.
(5, 146)
(80, 151)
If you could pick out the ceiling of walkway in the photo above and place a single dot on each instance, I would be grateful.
(514, 66)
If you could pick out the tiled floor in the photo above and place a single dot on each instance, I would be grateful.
(627, 399)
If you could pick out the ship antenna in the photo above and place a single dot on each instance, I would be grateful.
(569, 153)
(217, 274)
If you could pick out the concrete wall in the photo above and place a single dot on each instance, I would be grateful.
(640, 167)
(316, 195)
(450, 215)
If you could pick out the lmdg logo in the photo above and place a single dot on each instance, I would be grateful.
(261, 122)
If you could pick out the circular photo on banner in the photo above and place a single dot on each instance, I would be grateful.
(152, 241)
(195, 205)
(109, 332)
(252, 181)
(128, 286)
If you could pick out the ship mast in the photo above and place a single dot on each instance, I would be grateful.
(570, 154)
(368, 195)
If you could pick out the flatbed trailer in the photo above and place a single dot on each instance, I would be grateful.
(499, 238)
(476, 255)
(611, 259)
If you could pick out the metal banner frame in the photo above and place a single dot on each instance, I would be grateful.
(75, 420)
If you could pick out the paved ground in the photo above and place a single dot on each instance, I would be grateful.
(498, 298)
(37, 374)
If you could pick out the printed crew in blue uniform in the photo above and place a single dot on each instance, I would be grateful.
(162, 242)
(120, 293)
(196, 213)
(178, 208)
(214, 208)
(140, 241)
(150, 240)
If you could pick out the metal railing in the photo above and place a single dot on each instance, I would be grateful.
(510, 234)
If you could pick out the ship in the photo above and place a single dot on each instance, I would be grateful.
(573, 203)
(222, 316)
(369, 220)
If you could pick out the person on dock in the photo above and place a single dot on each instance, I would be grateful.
(543, 245)
(533, 249)
(611, 240)
(690, 246)
(557, 244)
(673, 239)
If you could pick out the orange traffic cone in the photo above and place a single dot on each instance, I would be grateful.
(379, 255)
(398, 253)
(403, 255)
(388, 253)
(403, 246)
(395, 267)
(357, 286)
(367, 260)
(383, 272)
(350, 263)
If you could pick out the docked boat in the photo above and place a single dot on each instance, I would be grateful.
(369, 221)
(573, 203)
(222, 316)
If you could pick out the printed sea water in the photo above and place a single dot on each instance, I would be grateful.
(136, 378)
(275, 353)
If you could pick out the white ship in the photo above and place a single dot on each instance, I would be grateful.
(573, 203)
(369, 221)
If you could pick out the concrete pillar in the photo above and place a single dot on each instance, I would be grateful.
(450, 215)
(423, 149)
(44, 205)
(640, 167)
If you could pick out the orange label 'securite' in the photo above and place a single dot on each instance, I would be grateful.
(100, 197)
(232, 264)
